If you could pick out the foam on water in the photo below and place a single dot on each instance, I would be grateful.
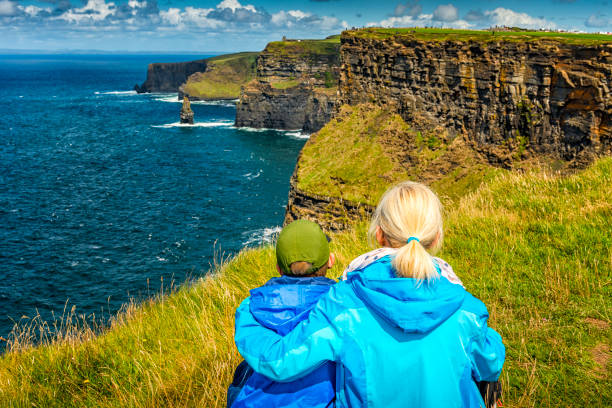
(173, 98)
(251, 176)
(298, 134)
(197, 124)
(116, 93)
(261, 236)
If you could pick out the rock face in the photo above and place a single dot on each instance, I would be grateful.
(542, 97)
(295, 87)
(497, 103)
(302, 107)
(186, 114)
(168, 77)
(332, 213)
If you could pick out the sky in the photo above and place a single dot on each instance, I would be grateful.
(247, 25)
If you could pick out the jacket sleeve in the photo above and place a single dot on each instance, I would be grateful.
(487, 353)
(286, 358)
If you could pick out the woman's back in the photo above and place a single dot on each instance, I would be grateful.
(397, 343)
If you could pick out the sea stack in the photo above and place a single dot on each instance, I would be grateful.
(186, 112)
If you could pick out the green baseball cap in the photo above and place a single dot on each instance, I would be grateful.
(302, 241)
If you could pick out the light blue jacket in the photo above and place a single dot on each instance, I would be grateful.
(280, 305)
(398, 344)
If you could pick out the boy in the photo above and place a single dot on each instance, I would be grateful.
(303, 257)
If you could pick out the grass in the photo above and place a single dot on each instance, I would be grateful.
(535, 248)
(299, 48)
(289, 83)
(347, 159)
(224, 76)
(443, 34)
(365, 148)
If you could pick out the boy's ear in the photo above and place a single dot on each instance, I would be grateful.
(331, 261)
(280, 271)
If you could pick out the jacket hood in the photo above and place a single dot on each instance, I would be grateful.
(403, 302)
(283, 302)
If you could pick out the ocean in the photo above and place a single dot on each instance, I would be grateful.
(105, 197)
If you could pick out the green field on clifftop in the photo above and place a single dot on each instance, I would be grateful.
(535, 248)
(224, 76)
(444, 34)
(327, 46)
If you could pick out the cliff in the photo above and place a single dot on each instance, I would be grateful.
(295, 86)
(451, 111)
(528, 97)
(222, 79)
(167, 77)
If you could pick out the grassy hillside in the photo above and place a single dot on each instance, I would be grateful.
(444, 34)
(365, 148)
(224, 76)
(535, 248)
(300, 48)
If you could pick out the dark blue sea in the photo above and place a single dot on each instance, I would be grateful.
(103, 195)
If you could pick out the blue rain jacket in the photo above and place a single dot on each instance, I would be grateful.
(279, 306)
(397, 343)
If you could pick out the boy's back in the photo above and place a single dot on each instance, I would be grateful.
(303, 257)
(280, 305)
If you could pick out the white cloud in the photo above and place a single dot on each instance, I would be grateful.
(7, 8)
(191, 15)
(446, 12)
(234, 5)
(299, 14)
(171, 16)
(598, 20)
(198, 17)
(423, 20)
(94, 10)
(288, 18)
(137, 4)
(33, 10)
(506, 17)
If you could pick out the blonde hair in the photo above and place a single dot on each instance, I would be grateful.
(407, 210)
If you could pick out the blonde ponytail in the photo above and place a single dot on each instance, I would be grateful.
(410, 217)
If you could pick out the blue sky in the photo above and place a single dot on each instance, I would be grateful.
(237, 25)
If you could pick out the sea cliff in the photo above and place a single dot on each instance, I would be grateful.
(544, 96)
(167, 77)
(469, 107)
(295, 86)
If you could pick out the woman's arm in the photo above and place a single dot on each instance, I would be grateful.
(286, 358)
(487, 353)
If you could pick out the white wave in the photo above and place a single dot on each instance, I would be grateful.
(117, 93)
(251, 176)
(298, 134)
(251, 129)
(262, 236)
(223, 102)
(172, 98)
(197, 124)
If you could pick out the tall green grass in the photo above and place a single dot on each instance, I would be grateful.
(535, 248)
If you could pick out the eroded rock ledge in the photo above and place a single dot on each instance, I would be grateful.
(509, 101)
(295, 87)
(547, 96)
(332, 213)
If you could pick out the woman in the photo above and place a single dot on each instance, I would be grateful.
(402, 334)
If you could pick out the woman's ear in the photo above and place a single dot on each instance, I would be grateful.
(435, 242)
(380, 237)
